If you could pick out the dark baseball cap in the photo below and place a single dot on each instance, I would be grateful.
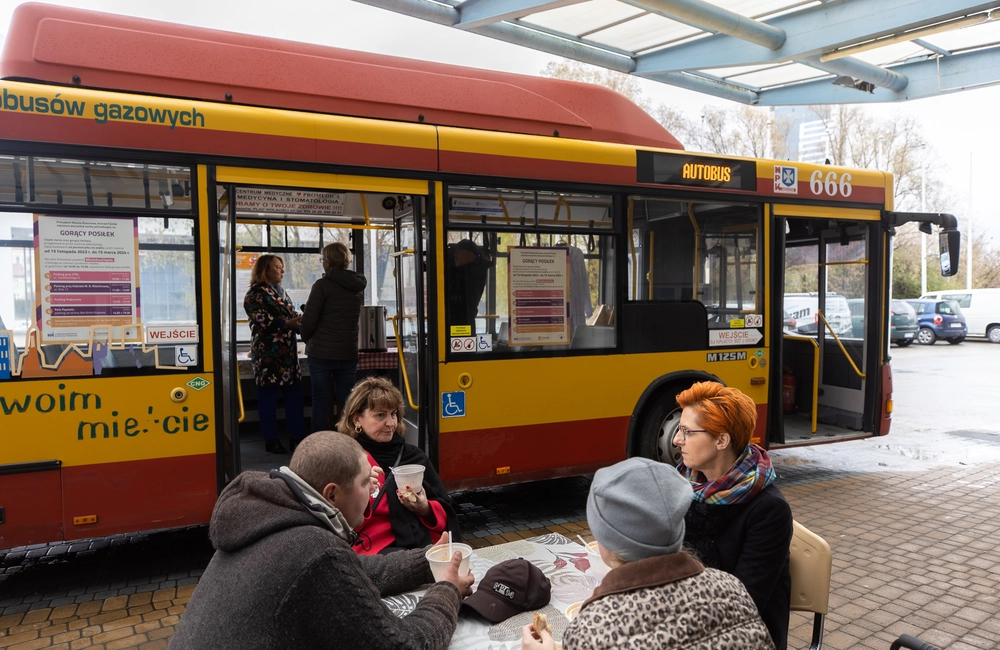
(509, 588)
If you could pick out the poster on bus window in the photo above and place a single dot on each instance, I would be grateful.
(86, 276)
(244, 269)
(538, 294)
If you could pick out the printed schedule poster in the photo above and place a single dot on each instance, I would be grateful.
(87, 276)
(538, 286)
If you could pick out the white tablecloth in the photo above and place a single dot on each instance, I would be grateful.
(564, 562)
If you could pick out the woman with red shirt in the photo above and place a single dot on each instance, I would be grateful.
(373, 416)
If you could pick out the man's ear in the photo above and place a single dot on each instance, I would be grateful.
(330, 492)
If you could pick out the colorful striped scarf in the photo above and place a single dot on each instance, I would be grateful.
(751, 473)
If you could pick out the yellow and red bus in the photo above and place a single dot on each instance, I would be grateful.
(555, 267)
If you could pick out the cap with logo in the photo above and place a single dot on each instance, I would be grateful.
(509, 588)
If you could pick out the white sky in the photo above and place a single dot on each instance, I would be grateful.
(960, 126)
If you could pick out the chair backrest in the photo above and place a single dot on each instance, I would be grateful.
(811, 562)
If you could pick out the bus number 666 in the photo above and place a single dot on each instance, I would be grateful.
(831, 185)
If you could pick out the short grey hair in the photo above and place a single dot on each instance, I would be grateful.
(328, 457)
(337, 255)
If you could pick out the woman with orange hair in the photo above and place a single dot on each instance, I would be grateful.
(739, 521)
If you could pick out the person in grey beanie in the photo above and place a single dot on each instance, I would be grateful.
(656, 595)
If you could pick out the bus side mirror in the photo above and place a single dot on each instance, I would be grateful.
(949, 244)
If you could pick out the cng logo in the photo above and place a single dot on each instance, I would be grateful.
(198, 383)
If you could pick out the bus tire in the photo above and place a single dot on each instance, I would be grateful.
(659, 422)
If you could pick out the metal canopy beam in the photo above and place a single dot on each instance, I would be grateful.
(479, 13)
(882, 77)
(927, 78)
(715, 19)
(707, 85)
(811, 32)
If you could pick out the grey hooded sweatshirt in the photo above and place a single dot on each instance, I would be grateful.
(280, 578)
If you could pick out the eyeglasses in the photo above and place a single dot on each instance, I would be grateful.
(685, 432)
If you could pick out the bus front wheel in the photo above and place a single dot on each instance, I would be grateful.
(658, 427)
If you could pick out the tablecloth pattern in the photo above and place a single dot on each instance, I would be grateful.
(563, 561)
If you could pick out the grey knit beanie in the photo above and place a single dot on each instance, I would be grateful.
(636, 508)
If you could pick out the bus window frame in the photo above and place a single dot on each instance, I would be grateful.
(192, 214)
(532, 226)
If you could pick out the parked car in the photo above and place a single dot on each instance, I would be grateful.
(939, 319)
(802, 317)
(981, 308)
(903, 325)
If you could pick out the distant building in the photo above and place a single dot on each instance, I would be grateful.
(808, 140)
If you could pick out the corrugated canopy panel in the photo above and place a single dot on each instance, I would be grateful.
(770, 52)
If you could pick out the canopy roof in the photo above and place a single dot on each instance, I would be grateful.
(767, 52)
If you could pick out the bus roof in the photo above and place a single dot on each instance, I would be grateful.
(69, 46)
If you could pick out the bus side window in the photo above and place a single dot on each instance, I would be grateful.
(704, 252)
(576, 311)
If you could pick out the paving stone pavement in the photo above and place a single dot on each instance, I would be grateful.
(912, 546)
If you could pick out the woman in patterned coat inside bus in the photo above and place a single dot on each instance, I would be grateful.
(273, 351)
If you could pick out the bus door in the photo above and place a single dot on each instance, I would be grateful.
(409, 323)
(294, 215)
(826, 309)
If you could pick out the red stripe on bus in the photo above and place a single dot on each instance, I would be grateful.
(139, 495)
(534, 168)
(20, 126)
(532, 452)
(32, 503)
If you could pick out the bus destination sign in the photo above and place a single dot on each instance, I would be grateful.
(695, 171)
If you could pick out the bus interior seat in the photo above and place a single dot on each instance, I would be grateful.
(810, 563)
(586, 337)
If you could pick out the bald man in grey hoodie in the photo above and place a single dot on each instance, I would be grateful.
(284, 574)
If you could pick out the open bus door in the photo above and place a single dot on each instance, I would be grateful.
(409, 324)
(829, 300)
(293, 215)
(227, 438)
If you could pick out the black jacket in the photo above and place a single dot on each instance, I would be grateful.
(751, 541)
(330, 321)
(281, 579)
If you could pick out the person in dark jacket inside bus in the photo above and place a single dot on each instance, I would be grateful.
(284, 576)
(330, 330)
(739, 521)
(467, 268)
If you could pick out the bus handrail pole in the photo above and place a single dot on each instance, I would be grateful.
(239, 394)
(649, 273)
(841, 345)
(631, 248)
(402, 362)
(815, 398)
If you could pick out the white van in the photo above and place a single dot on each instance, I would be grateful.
(981, 308)
(801, 317)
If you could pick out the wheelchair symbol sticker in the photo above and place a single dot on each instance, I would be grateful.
(186, 355)
(453, 404)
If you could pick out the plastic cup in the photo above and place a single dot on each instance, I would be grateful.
(411, 476)
(573, 610)
(597, 564)
(439, 559)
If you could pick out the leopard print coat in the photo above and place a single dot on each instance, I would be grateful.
(666, 603)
